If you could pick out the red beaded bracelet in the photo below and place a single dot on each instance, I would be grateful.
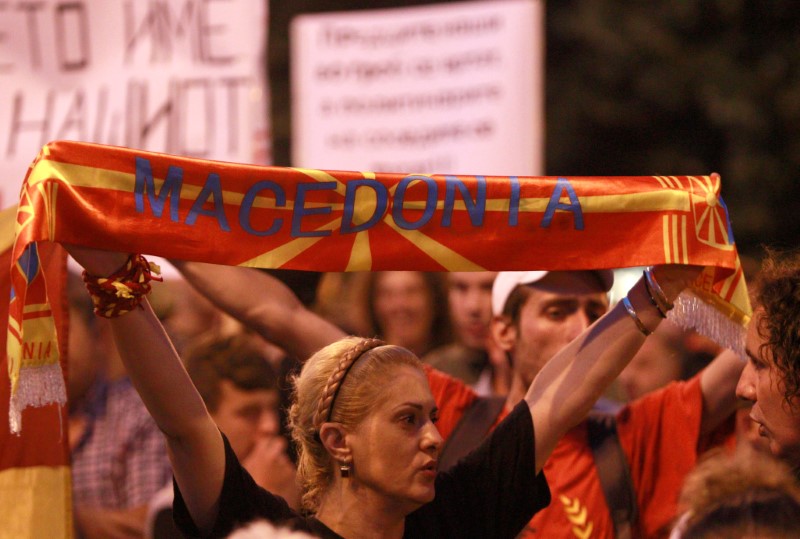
(123, 290)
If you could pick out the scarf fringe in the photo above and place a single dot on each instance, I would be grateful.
(37, 386)
(701, 312)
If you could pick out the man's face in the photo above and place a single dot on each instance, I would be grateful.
(244, 416)
(469, 295)
(559, 308)
(762, 384)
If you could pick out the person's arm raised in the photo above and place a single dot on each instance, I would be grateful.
(194, 443)
(567, 387)
(718, 385)
(262, 303)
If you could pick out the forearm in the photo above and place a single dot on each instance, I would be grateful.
(262, 303)
(157, 372)
(718, 385)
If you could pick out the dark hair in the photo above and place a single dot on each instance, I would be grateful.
(777, 291)
(237, 359)
(757, 513)
(747, 493)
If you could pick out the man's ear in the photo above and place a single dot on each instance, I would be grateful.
(334, 438)
(504, 332)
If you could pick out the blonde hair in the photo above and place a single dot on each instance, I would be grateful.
(342, 382)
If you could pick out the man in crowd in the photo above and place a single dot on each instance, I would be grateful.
(474, 357)
(240, 390)
(538, 313)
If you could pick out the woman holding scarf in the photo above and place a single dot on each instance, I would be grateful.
(364, 421)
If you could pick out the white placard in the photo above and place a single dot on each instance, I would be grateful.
(447, 88)
(176, 76)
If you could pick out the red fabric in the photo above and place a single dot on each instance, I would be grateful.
(43, 442)
(133, 277)
(276, 217)
(96, 205)
(452, 396)
(659, 433)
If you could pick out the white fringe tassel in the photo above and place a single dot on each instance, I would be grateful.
(691, 312)
(37, 386)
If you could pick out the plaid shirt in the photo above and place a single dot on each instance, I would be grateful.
(120, 460)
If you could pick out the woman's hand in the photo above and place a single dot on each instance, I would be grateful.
(96, 261)
(673, 278)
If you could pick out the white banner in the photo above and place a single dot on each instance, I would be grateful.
(176, 76)
(447, 88)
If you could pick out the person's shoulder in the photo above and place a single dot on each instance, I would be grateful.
(441, 382)
(452, 397)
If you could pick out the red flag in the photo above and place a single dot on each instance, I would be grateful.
(34, 465)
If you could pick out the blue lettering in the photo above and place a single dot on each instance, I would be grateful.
(300, 210)
(430, 202)
(29, 262)
(513, 202)
(212, 188)
(381, 202)
(574, 206)
(728, 220)
(247, 205)
(475, 208)
(171, 188)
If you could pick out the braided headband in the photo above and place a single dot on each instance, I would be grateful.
(337, 378)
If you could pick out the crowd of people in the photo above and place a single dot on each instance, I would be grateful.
(413, 404)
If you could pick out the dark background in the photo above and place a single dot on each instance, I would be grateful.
(652, 87)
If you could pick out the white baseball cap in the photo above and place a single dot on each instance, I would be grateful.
(507, 281)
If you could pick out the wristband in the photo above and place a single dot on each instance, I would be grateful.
(632, 313)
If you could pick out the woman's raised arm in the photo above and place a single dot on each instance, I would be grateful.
(194, 443)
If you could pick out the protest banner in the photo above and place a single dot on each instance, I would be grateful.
(183, 77)
(446, 87)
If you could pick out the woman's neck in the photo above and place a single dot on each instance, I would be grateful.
(356, 514)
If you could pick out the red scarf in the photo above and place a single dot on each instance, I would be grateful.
(274, 217)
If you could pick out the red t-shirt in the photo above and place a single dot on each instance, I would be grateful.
(452, 396)
(658, 433)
